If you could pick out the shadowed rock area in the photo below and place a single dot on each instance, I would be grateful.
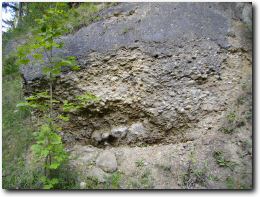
(167, 74)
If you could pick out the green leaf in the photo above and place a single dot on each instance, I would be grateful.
(54, 181)
(46, 70)
(71, 58)
(24, 61)
(26, 105)
(75, 67)
(39, 21)
(37, 56)
(64, 118)
(55, 101)
(69, 107)
(44, 28)
(55, 71)
(48, 186)
(22, 104)
(37, 149)
(43, 95)
(45, 153)
(54, 166)
(31, 98)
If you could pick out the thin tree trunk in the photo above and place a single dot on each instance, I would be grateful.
(45, 167)
(51, 95)
(50, 174)
(51, 83)
(19, 14)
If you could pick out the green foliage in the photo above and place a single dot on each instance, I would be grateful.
(195, 173)
(68, 178)
(42, 24)
(165, 168)
(231, 117)
(49, 144)
(113, 181)
(230, 183)
(49, 183)
(10, 66)
(69, 107)
(87, 98)
(49, 147)
(31, 12)
(213, 178)
(82, 102)
(232, 122)
(40, 101)
(83, 15)
(64, 118)
(222, 161)
(16, 137)
(93, 183)
(143, 180)
(227, 130)
(193, 176)
(139, 163)
(49, 27)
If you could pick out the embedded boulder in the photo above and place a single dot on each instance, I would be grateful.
(107, 161)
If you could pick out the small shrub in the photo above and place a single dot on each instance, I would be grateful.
(142, 181)
(139, 163)
(82, 102)
(227, 130)
(231, 117)
(113, 181)
(10, 66)
(194, 176)
(230, 183)
(92, 183)
(231, 123)
(222, 161)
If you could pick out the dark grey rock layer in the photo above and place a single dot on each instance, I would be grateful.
(130, 23)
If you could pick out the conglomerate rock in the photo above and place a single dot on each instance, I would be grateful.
(152, 65)
(167, 75)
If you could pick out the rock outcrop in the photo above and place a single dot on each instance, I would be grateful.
(165, 73)
(153, 65)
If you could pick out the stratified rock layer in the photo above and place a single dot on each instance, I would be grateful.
(168, 76)
(158, 68)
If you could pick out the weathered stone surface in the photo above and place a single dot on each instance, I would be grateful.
(98, 174)
(150, 22)
(107, 161)
(82, 185)
(85, 155)
(136, 130)
(165, 66)
(167, 84)
(119, 132)
(97, 136)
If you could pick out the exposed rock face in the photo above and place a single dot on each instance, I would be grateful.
(156, 78)
(98, 173)
(107, 161)
(165, 73)
(119, 132)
